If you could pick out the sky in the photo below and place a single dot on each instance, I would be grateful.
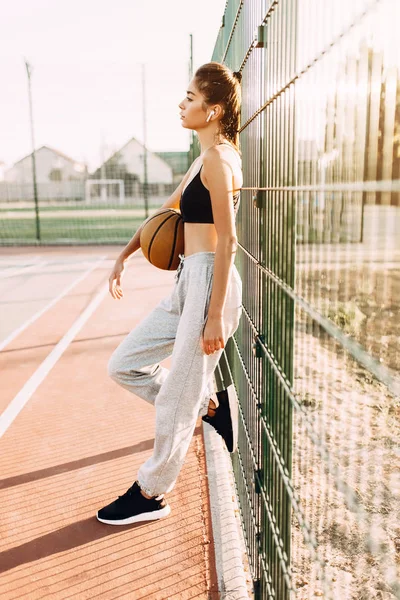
(86, 58)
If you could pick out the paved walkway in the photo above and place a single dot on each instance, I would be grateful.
(74, 440)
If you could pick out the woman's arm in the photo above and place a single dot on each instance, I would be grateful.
(172, 202)
(219, 176)
(133, 245)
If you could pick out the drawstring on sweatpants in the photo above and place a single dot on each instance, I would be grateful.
(180, 266)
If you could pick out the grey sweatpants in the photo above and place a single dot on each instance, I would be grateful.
(180, 394)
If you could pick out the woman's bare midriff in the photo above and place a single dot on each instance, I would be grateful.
(200, 237)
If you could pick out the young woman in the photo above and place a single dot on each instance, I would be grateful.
(194, 322)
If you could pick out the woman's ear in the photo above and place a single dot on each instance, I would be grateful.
(218, 112)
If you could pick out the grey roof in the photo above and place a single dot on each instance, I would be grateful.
(52, 150)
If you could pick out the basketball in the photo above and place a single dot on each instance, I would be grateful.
(161, 239)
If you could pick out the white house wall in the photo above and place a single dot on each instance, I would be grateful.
(158, 171)
(46, 161)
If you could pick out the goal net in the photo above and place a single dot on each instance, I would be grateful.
(104, 191)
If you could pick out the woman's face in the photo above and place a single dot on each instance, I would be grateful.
(193, 115)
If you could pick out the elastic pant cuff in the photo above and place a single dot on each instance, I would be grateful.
(148, 491)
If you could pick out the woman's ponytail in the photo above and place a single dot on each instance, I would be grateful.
(219, 85)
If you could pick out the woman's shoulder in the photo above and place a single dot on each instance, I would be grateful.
(223, 154)
(223, 150)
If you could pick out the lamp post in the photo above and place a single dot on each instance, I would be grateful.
(35, 192)
(145, 175)
(191, 149)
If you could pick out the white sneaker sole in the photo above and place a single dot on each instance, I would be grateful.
(150, 516)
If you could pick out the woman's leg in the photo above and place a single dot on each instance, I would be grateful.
(181, 392)
(181, 396)
(135, 363)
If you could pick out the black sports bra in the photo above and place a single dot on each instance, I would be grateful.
(195, 202)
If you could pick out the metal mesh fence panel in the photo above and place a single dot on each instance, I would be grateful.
(96, 210)
(50, 197)
(316, 356)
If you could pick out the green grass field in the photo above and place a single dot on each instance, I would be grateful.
(71, 224)
(93, 229)
(75, 207)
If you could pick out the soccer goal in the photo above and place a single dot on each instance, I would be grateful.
(106, 191)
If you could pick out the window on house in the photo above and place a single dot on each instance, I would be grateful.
(55, 175)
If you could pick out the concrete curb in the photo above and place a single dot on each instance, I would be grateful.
(234, 580)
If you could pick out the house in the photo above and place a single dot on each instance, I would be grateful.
(128, 164)
(51, 166)
(179, 162)
(2, 170)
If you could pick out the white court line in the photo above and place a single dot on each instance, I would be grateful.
(20, 400)
(66, 291)
(17, 258)
(22, 270)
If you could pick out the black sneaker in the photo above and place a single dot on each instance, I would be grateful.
(225, 419)
(133, 507)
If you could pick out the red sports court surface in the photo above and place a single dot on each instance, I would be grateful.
(73, 440)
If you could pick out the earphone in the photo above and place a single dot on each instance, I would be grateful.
(210, 115)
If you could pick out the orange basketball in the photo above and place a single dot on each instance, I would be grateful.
(161, 239)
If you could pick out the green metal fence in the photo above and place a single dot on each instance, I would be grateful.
(317, 354)
(95, 211)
